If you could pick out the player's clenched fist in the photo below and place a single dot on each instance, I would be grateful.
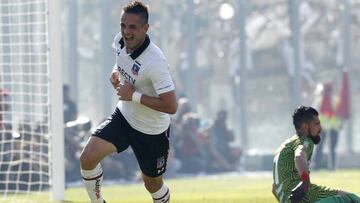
(125, 91)
(298, 193)
(115, 78)
(300, 190)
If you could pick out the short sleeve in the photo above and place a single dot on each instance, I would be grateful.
(160, 76)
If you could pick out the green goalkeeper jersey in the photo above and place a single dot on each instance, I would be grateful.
(286, 176)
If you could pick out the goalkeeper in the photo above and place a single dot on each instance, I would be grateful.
(291, 164)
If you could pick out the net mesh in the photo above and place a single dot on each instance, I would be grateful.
(24, 99)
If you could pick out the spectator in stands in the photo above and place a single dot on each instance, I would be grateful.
(174, 163)
(226, 156)
(189, 146)
(176, 127)
(331, 127)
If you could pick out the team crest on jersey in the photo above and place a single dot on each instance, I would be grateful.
(118, 51)
(135, 69)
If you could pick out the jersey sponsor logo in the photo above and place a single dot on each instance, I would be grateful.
(135, 69)
(126, 75)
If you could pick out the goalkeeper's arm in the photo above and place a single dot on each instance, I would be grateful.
(301, 164)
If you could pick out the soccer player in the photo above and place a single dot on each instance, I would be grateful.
(291, 163)
(141, 119)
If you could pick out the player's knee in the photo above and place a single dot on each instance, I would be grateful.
(341, 192)
(87, 162)
(153, 184)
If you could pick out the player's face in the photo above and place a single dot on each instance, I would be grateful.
(133, 31)
(315, 129)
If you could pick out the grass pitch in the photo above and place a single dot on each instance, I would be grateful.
(226, 188)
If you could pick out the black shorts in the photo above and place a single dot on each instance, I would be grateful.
(151, 151)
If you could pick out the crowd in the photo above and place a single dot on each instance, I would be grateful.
(202, 146)
(197, 145)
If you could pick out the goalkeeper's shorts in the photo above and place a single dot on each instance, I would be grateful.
(349, 198)
(317, 193)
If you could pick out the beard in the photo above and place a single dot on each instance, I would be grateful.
(315, 139)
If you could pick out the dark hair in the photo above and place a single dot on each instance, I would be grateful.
(303, 114)
(136, 7)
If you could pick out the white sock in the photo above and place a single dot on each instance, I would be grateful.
(93, 180)
(162, 195)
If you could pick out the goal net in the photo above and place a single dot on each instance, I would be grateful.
(26, 126)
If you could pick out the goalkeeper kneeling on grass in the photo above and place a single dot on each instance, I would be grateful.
(291, 165)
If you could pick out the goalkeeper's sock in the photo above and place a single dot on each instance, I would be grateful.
(93, 181)
(162, 195)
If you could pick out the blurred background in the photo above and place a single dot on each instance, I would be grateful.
(240, 68)
(253, 60)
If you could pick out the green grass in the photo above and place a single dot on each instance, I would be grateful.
(216, 189)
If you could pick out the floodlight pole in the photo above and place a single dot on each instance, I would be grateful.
(347, 62)
(241, 73)
(191, 84)
(107, 57)
(165, 17)
(295, 76)
(72, 55)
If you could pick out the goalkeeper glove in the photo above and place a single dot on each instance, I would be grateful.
(300, 190)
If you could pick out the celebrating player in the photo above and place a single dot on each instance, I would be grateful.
(141, 119)
(291, 163)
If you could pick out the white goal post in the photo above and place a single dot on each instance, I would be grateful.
(31, 109)
(58, 154)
